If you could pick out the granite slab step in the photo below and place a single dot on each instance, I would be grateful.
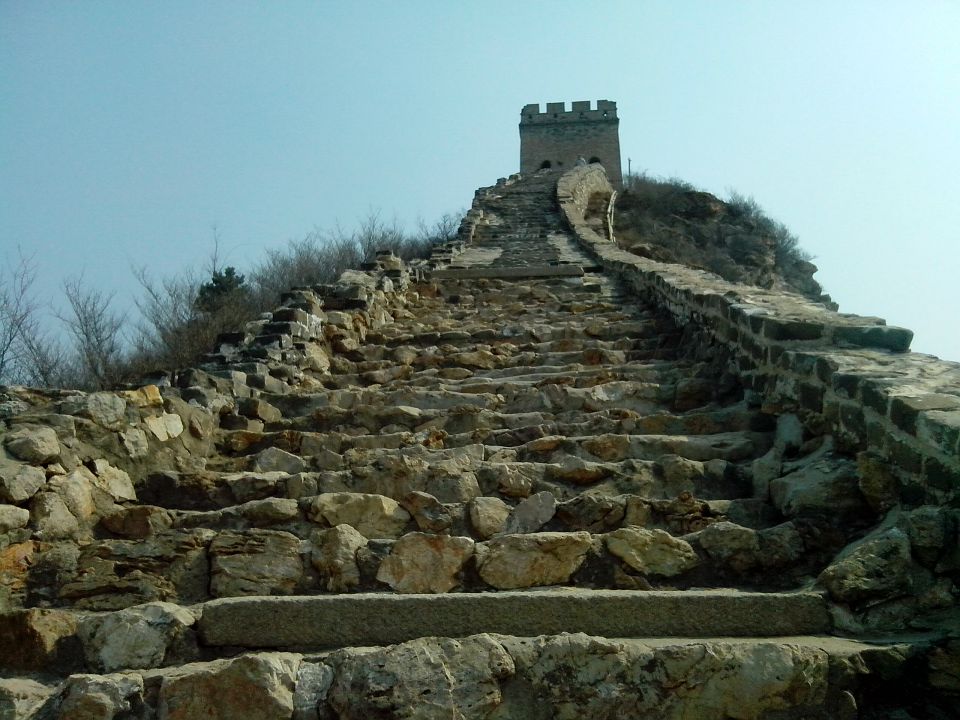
(382, 619)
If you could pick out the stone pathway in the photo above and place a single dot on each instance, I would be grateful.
(520, 448)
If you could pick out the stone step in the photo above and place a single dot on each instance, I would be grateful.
(491, 360)
(377, 553)
(520, 368)
(580, 460)
(361, 427)
(515, 331)
(503, 676)
(643, 398)
(376, 619)
(529, 271)
(375, 353)
(457, 373)
(450, 483)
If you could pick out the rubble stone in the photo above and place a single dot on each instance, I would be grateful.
(520, 561)
(373, 516)
(428, 678)
(421, 563)
(256, 562)
(137, 637)
(653, 552)
(335, 556)
(19, 483)
(37, 445)
(250, 687)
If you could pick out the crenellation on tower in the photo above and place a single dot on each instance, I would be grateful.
(557, 137)
(557, 112)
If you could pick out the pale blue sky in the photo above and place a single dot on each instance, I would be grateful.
(128, 129)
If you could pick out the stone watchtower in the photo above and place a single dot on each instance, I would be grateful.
(557, 137)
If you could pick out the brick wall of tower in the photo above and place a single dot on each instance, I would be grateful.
(559, 136)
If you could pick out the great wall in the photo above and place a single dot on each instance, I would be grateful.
(535, 476)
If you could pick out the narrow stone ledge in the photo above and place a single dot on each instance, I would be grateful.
(382, 619)
(509, 273)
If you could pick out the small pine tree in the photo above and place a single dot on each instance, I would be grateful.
(224, 287)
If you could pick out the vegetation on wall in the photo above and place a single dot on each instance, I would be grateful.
(672, 221)
(92, 345)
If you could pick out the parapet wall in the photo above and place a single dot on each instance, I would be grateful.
(850, 375)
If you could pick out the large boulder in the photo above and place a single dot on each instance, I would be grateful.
(255, 562)
(878, 567)
(335, 557)
(97, 697)
(36, 640)
(652, 552)
(373, 516)
(828, 487)
(143, 636)
(533, 559)
(19, 483)
(424, 563)
(37, 445)
(249, 687)
(569, 677)
(428, 679)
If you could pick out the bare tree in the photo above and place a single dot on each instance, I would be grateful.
(18, 313)
(46, 361)
(166, 333)
(96, 332)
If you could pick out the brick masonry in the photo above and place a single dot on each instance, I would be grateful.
(557, 137)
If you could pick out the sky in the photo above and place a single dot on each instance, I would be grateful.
(129, 130)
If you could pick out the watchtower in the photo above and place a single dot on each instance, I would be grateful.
(558, 137)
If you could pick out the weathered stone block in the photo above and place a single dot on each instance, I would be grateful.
(255, 562)
(652, 552)
(518, 561)
(425, 563)
(37, 445)
(249, 687)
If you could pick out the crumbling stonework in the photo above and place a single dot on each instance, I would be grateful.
(532, 477)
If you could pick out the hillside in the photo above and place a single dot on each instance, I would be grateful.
(672, 221)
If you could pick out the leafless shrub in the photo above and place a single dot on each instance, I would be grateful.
(179, 317)
(96, 330)
(18, 313)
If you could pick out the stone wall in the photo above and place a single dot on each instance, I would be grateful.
(560, 136)
(845, 374)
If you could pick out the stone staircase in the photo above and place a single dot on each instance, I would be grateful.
(519, 494)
